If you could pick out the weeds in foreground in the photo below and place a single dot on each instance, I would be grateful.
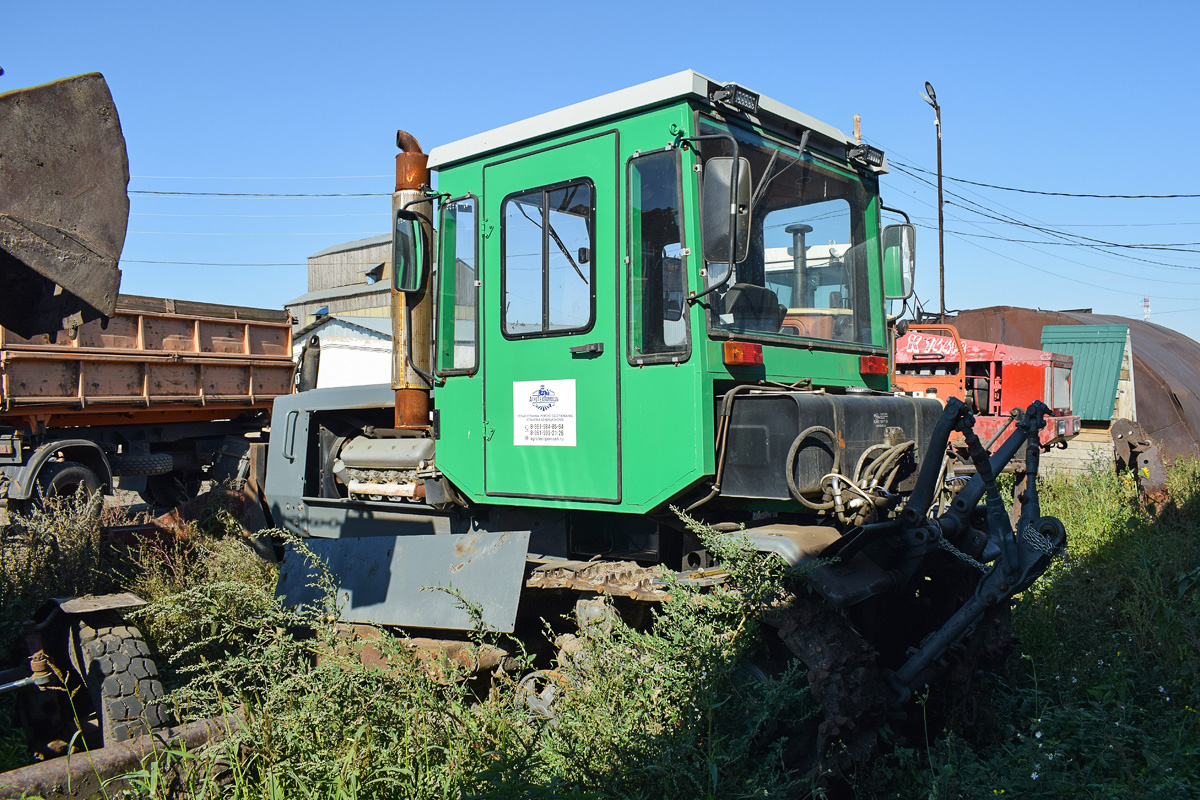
(1104, 700)
(668, 711)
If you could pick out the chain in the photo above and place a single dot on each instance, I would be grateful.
(1034, 538)
(954, 551)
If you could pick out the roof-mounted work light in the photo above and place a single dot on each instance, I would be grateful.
(866, 155)
(733, 95)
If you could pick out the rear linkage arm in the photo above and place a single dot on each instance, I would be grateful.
(1024, 555)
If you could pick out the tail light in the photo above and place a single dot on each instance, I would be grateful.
(873, 365)
(743, 354)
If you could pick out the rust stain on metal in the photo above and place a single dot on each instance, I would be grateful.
(412, 166)
(465, 547)
(92, 774)
(618, 578)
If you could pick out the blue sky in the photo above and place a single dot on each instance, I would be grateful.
(303, 97)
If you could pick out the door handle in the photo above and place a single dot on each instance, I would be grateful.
(592, 349)
(289, 434)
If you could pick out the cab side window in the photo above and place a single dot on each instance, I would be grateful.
(458, 293)
(658, 330)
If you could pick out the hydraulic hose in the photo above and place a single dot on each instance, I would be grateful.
(790, 465)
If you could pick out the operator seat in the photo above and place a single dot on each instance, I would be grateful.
(754, 308)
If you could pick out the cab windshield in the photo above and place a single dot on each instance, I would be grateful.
(807, 273)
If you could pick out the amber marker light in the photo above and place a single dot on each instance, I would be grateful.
(873, 365)
(743, 354)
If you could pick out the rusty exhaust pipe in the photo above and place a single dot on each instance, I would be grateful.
(411, 312)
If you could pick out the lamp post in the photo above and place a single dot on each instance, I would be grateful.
(931, 97)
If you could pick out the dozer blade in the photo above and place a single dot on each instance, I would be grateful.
(64, 205)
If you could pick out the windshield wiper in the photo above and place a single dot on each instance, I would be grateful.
(554, 235)
(761, 191)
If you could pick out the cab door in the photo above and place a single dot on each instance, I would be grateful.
(551, 353)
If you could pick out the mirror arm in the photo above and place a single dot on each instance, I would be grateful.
(685, 141)
(436, 197)
(907, 221)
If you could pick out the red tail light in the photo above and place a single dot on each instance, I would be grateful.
(743, 354)
(873, 365)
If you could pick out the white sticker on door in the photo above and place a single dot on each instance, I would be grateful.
(544, 413)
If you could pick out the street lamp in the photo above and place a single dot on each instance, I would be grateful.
(929, 96)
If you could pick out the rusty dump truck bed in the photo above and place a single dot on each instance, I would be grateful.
(157, 360)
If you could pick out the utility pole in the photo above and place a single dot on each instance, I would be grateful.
(931, 97)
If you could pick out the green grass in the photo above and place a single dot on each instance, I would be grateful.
(1100, 700)
(1103, 699)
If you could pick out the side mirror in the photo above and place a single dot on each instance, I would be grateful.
(674, 283)
(718, 185)
(899, 261)
(408, 252)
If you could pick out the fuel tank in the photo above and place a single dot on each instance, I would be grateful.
(838, 429)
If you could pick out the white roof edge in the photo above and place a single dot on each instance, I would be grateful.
(622, 101)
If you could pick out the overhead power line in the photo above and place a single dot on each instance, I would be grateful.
(259, 194)
(247, 178)
(1053, 194)
(203, 233)
(257, 216)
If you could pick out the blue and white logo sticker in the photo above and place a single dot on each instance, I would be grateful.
(543, 399)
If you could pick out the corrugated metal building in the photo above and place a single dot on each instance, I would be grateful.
(1161, 365)
(351, 279)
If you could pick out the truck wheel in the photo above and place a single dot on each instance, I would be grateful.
(121, 678)
(64, 479)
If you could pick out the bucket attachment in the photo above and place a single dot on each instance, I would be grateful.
(64, 205)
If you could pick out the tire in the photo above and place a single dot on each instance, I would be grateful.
(142, 464)
(121, 679)
(62, 479)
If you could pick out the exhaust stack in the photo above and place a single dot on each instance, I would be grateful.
(412, 348)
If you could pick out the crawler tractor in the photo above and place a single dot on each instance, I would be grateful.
(674, 295)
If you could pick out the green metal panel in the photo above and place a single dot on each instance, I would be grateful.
(661, 414)
(551, 404)
(1097, 351)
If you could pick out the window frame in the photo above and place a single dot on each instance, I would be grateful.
(545, 190)
(477, 288)
(684, 353)
(874, 278)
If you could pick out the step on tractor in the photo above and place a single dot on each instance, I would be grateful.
(669, 297)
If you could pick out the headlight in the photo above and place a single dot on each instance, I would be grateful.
(1062, 427)
(1078, 424)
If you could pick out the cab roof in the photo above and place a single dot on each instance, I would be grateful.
(688, 84)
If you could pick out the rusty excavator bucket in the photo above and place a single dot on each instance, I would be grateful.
(64, 205)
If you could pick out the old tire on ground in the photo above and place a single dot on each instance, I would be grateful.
(142, 463)
(121, 678)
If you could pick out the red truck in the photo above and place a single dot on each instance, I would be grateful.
(995, 380)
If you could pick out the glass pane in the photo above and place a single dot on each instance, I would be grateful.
(456, 307)
(523, 306)
(807, 272)
(569, 262)
(658, 283)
